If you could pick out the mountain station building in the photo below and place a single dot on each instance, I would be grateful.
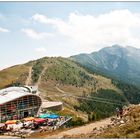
(18, 102)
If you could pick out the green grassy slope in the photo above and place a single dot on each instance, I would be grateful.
(13, 74)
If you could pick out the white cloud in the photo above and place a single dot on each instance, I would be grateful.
(44, 19)
(91, 32)
(36, 35)
(4, 30)
(40, 49)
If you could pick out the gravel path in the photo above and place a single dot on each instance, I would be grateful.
(8, 137)
(82, 129)
(29, 79)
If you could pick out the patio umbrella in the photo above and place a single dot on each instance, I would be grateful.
(11, 122)
(43, 115)
(51, 116)
(39, 120)
(29, 119)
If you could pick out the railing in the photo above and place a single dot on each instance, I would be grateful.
(63, 122)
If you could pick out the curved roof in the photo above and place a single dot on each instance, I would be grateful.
(9, 89)
(12, 93)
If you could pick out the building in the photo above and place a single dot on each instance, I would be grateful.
(54, 106)
(18, 102)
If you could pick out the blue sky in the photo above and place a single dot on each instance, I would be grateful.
(31, 30)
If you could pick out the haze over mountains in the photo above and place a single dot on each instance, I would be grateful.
(115, 61)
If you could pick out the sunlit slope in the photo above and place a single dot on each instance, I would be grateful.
(15, 74)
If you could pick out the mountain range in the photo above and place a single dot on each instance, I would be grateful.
(116, 61)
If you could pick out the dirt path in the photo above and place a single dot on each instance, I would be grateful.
(60, 90)
(40, 76)
(8, 137)
(28, 81)
(86, 129)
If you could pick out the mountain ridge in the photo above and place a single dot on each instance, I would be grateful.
(115, 61)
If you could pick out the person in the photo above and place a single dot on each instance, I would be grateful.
(54, 127)
(35, 125)
(43, 129)
(9, 128)
(5, 127)
(121, 112)
(23, 125)
(117, 112)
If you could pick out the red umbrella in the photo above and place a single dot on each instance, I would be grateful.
(39, 120)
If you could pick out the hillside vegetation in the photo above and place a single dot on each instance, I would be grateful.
(86, 96)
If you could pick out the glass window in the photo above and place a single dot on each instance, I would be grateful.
(30, 101)
(3, 110)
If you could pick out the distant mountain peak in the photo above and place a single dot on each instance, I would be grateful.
(127, 47)
(117, 50)
(116, 60)
(113, 47)
(117, 46)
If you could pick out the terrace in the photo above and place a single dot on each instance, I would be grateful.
(27, 126)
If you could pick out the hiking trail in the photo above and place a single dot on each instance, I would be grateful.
(29, 79)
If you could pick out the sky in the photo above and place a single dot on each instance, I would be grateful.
(31, 30)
